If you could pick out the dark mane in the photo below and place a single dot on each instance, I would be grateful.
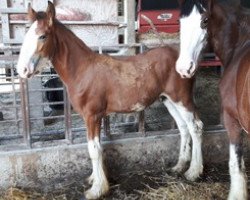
(69, 33)
(187, 6)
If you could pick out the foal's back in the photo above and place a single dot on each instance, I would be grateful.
(133, 83)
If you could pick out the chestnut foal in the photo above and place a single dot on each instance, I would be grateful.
(100, 84)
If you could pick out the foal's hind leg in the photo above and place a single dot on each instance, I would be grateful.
(185, 148)
(238, 187)
(195, 127)
(100, 184)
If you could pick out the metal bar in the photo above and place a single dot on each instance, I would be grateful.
(25, 111)
(15, 99)
(68, 119)
(13, 11)
(9, 106)
(18, 47)
(106, 126)
(46, 89)
(142, 113)
(8, 83)
(142, 122)
(10, 120)
(46, 103)
(50, 117)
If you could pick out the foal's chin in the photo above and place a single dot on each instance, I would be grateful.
(29, 75)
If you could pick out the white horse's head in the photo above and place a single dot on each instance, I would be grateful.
(193, 35)
(35, 41)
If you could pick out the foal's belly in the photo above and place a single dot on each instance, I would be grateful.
(131, 100)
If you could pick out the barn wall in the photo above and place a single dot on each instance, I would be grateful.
(91, 11)
(45, 167)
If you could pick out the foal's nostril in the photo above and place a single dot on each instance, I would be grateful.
(25, 70)
(190, 68)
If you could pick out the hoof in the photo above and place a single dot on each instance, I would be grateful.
(192, 174)
(96, 191)
(237, 196)
(178, 169)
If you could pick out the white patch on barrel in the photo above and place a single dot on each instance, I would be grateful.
(138, 107)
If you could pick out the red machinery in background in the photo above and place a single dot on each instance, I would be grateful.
(164, 14)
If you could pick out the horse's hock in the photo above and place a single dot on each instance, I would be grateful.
(40, 146)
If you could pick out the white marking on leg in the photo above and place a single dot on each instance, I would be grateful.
(195, 127)
(238, 188)
(185, 150)
(100, 183)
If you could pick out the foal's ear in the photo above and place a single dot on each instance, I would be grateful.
(31, 13)
(51, 13)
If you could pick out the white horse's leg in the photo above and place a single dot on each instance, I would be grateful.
(238, 188)
(100, 183)
(195, 127)
(185, 148)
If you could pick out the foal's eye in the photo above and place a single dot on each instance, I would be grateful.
(42, 37)
(204, 22)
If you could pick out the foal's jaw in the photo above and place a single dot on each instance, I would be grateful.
(29, 71)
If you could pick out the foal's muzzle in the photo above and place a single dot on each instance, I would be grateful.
(186, 72)
(31, 69)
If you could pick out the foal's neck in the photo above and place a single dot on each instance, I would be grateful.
(71, 54)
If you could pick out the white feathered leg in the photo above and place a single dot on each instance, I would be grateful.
(185, 148)
(238, 187)
(195, 128)
(100, 183)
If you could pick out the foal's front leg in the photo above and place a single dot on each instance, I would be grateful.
(185, 144)
(100, 185)
(195, 127)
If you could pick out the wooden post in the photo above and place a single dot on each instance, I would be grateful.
(5, 22)
(129, 18)
(142, 122)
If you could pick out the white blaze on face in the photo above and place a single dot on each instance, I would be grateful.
(192, 41)
(24, 66)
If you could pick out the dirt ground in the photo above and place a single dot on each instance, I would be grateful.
(143, 184)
